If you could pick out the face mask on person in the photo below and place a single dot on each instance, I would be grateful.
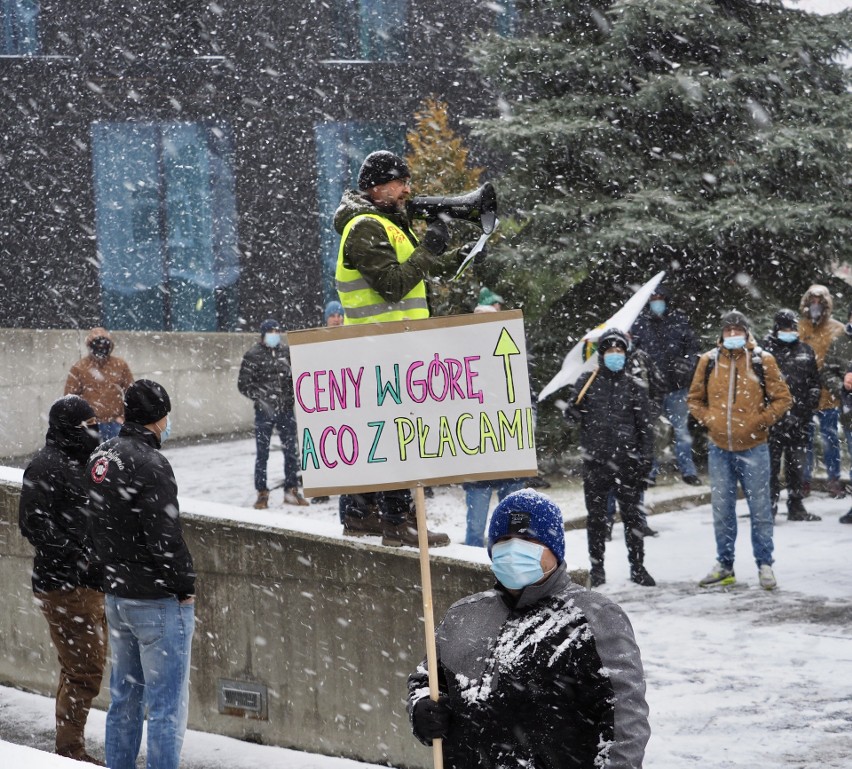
(101, 347)
(272, 340)
(517, 563)
(615, 361)
(658, 306)
(788, 336)
(734, 342)
(815, 311)
(167, 431)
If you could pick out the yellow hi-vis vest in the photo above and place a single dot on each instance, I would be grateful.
(361, 303)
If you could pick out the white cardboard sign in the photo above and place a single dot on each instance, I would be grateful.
(391, 405)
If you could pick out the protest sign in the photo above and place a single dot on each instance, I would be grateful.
(393, 405)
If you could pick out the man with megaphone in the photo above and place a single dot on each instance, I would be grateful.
(381, 267)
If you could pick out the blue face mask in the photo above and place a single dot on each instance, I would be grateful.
(788, 336)
(517, 563)
(272, 340)
(734, 342)
(164, 436)
(615, 361)
(658, 306)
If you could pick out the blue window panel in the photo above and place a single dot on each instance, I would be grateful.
(20, 27)
(371, 30)
(341, 148)
(166, 226)
(506, 17)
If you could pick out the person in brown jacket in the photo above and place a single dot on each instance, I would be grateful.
(818, 329)
(100, 379)
(738, 393)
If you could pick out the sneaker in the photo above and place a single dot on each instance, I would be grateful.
(836, 488)
(646, 531)
(692, 480)
(405, 533)
(641, 577)
(293, 496)
(766, 577)
(796, 512)
(262, 500)
(368, 526)
(846, 518)
(597, 576)
(719, 575)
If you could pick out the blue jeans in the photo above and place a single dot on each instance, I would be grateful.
(478, 497)
(150, 641)
(830, 444)
(264, 424)
(676, 411)
(108, 430)
(751, 469)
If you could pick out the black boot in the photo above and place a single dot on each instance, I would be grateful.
(796, 512)
(597, 575)
(640, 576)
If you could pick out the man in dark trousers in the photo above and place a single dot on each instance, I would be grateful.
(53, 516)
(267, 380)
(665, 334)
(149, 583)
(788, 437)
(617, 442)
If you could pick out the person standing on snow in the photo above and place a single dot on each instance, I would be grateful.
(665, 334)
(538, 671)
(818, 329)
(101, 379)
(381, 271)
(738, 403)
(67, 585)
(267, 380)
(617, 442)
(788, 437)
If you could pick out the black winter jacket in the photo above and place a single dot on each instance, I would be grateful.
(798, 365)
(53, 515)
(266, 378)
(671, 343)
(136, 519)
(615, 418)
(550, 679)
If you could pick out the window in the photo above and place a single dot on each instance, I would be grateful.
(371, 30)
(341, 148)
(506, 17)
(20, 27)
(165, 216)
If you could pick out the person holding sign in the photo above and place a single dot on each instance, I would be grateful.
(537, 672)
(381, 267)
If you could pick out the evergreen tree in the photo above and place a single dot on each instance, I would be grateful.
(710, 138)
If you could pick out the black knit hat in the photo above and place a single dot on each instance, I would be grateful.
(736, 318)
(785, 318)
(612, 337)
(69, 411)
(146, 402)
(380, 168)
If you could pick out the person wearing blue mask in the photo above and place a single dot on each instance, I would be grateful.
(538, 671)
(267, 380)
(738, 393)
(617, 442)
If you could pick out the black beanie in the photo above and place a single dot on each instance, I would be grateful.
(736, 318)
(69, 411)
(380, 168)
(146, 402)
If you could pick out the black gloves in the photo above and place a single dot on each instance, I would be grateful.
(437, 236)
(431, 719)
(467, 248)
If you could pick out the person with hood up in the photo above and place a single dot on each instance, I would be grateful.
(538, 671)
(267, 380)
(149, 583)
(818, 329)
(837, 376)
(617, 442)
(738, 403)
(380, 276)
(67, 582)
(788, 437)
(100, 379)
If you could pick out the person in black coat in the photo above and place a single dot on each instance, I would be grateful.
(53, 516)
(788, 438)
(267, 380)
(617, 442)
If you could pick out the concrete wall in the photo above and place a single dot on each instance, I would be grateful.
(331, 627)
(198, 370)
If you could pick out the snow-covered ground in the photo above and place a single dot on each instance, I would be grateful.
(737, 678)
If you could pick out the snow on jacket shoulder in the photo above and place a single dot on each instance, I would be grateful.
(552, 681)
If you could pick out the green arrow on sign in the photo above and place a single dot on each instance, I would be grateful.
(506, 347)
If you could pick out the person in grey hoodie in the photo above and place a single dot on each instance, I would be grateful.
(537, 672)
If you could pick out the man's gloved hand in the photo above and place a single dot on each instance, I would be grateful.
(468, 247)
(437, 236)
(431, 719)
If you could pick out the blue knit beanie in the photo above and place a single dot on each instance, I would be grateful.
(270, 324)
(531, 514)
(332, 308)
